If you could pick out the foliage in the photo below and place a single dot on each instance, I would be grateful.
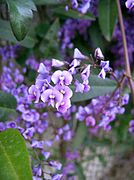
(59, 91)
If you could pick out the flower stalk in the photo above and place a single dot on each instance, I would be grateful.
(127, 63)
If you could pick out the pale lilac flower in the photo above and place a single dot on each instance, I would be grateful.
(86, 86)
(55, 164)
(84, 8)
(72, 70)
(64, 105)
(79, 87)
(46, 154)
(90, 121)
(130, 4)
(131, 126)
(85, 73)
(98, 54)
(102, 74)
(65, 90)
(125, 99)
(37, 144)
(57, 177)
(42, 69)
(78, 55)
(34, 94)
(62, 77)
(57, 63)
(51, 96)
(74, 3)
(48, 143)
(75, 63)
(29, 133)
(42, 84)
(37, 170)
(105, 65)
(30, 115)
(67, 136)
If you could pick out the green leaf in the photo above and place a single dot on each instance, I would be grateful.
(107, 17)
(80, 136)
(14, 158)
(99, 87)
(7, 106)
(73, 14)
(50, 45)
(47, 2)
(20, 16)
(7, 34)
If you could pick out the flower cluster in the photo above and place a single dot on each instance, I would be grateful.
(57, 96)
(117, 48)
(72, 27)
(102, 111)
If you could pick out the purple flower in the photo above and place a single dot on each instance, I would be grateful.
(65, 90)
(51, 96)
(57, 177)
(84, 8)
(86, 86)
(62, 77)
(85, 73)
(48, 143)
(78, 55)
(37, 144)
(37, 170)
(98, 54)
(74, 3)
(130, 4)
(55, 164)
(30, 115)
(102, 74)
(67, 136)
(34, 94)
(42, 69)
(64, 105)
(42, 84)
(29, 133)
(79, 87)
(90, 121)
(57, 63)
(46, 154)
(131, 126)
(105, 67)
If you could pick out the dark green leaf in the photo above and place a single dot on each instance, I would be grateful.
(6, 33)
(7, 106)
(14, 158)
(79, 136)
(47, 2)
(20, 16)
(107, 17)
(73, 14)
(49, 45)
(99, 87)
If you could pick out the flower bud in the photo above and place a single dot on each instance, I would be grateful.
(98, 54)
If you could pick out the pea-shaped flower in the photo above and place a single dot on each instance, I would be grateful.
(51, 96)
(62, 77)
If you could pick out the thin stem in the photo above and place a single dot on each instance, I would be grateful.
(127, 64)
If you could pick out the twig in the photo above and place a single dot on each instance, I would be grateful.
(127, 64)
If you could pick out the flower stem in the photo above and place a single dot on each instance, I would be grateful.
(127, 63)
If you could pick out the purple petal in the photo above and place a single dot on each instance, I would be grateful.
(57, 63)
